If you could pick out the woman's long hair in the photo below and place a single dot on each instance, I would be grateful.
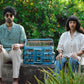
(78, 25)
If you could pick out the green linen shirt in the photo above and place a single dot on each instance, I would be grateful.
(13, 36)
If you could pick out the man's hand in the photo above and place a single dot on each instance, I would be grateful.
(59, 56)
(1, 46)
(16, 46)
(74, 56)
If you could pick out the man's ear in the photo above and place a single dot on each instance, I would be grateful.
(13, 16)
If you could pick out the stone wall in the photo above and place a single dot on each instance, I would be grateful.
(27, 73)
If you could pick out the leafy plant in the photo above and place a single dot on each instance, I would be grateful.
(50, 77)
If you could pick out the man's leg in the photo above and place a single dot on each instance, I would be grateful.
(1, 63)
(59, 63)
(16, 60)
(3, 55)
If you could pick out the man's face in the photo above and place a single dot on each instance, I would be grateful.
(9, 17)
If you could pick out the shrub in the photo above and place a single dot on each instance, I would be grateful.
(44, 18)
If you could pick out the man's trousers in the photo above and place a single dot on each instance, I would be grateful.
(15, 57)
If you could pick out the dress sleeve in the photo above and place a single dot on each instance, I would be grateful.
(22, 35)
(61, 42)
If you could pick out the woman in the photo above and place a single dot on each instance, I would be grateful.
(71, 45)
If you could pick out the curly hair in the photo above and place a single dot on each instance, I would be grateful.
(9, 9)
(78, 25)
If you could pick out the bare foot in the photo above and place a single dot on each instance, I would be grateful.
(15, 81)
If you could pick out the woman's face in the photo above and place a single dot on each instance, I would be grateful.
(72, 25)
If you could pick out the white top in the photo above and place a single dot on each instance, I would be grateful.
(71, 45)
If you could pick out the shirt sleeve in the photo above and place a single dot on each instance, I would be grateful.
(82, 43)
(22, 35)
(61, 42)
(0, 34)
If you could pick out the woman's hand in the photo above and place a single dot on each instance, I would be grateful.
(74, 56)
(59, 56)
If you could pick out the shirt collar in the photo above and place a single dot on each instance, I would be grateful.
(5, 26)
(75, 33)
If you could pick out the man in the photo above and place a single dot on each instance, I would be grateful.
(12, 38)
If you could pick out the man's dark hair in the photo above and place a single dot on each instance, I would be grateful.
(78, 25)
(9, 9)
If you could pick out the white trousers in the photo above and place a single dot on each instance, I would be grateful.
(15, 57)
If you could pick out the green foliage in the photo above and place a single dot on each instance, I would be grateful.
(62, 77)
(44, 18)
